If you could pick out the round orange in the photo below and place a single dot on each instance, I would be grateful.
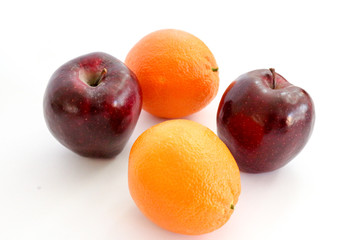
(183, 177)
(177, 73)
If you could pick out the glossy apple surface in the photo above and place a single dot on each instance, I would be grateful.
(264, 120)
(92, 104)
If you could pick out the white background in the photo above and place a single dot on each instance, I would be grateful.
(48, 192)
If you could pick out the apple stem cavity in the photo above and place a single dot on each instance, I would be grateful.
(272, 70)
(100, 77)
(232, 207)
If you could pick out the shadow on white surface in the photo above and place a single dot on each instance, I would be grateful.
(265, 200)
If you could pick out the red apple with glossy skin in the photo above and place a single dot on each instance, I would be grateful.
(264, 120)
(92, 104)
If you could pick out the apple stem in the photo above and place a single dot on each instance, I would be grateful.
(272, 70)
(101, 76)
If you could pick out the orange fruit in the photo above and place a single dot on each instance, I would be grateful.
(177, 73)
(183, 177)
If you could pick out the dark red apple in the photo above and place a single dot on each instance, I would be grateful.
(264, 120)
(92, 104)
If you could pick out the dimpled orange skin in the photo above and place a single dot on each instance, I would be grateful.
(177, 72)
(183, 177)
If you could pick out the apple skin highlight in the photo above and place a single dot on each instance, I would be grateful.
(92, 104)
(264, 120)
